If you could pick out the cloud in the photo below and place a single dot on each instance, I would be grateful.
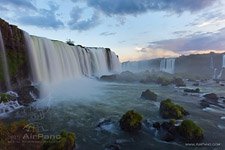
(198, 41)
(213, 17)
(3, 8)
(44, 18)
(76, 22)
(24, 4)
(181, 33)
(107, 33)
(135, 7)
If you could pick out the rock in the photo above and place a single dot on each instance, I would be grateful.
(190, 131)
(103, 122)
(204, 103)
(168, 131)
(131, 121)
(168, 137)
(108, 77)
(223, 101)
(192, 90)
(196, 84)
(221, 84)
(210, 99)
(112, 147)
(149, 95)
(179, 82)
(156, 125)
(106, 125)
(27, 95)
(6, 97)
(212, 96)
(169, 110)
(163, 81)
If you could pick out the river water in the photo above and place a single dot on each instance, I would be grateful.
(78, 106)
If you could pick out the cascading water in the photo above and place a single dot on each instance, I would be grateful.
(4, 63)
(223, 67)
(137, 66)
(167, 65)
(223, 63)
(55, 61)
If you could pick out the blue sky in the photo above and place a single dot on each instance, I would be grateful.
(134, 29)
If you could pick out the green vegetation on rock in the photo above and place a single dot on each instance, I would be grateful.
(131, 121)
(65, 142)
(19, 135)
(4, 97)
(190, 131)
(169, 110)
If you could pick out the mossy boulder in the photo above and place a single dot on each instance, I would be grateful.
(65, 142)
(149, 95)
(131, 121)
(169, 110)
(187, 131)
(190, 131)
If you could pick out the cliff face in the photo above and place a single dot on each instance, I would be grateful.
(195, 66)
(15, 47)
(199, 65)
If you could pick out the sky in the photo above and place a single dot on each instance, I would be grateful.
(134, 29)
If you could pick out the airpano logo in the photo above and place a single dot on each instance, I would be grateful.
(29, 134)
(40, 136)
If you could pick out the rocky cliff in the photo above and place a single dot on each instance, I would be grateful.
(194, 66)
(15, 47)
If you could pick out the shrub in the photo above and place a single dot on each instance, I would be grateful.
(70, 42)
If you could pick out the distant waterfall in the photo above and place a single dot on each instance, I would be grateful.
(223, 67)
(223, 62)
(4, 63)
(136, 66)
(167, 65)
(54, 61)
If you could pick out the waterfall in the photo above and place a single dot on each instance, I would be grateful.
(55, 61)
(4, 63)
(212, 63)
(223, 67)
(137, 66)
(167, 65)
(223, 62)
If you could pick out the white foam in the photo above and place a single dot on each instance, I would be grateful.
(221, 127)
(215, 110)
(223, 118)
(6, 108)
